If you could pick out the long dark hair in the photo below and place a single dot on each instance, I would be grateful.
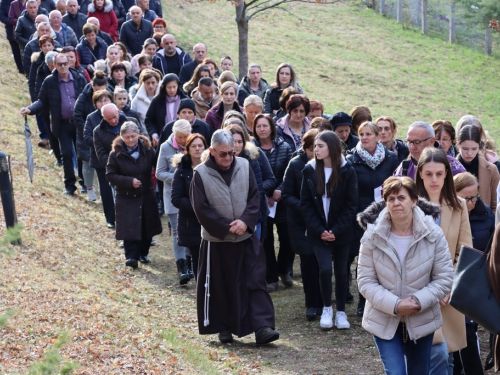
(335, 150)
(448, 193)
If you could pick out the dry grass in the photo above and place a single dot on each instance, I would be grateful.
(69, 275)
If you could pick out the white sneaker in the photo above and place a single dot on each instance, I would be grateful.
(91, 195)
(326, 321)
(341, 320)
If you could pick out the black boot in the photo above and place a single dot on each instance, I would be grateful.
(183, 273)
(189, 266)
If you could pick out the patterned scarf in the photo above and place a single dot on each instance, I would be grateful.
(373, 161)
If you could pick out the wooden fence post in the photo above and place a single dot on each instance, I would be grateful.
(424, 16)
(400, 11)
(487, 41)
(382, 7)
(452, 38)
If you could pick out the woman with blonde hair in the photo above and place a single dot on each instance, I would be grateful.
(148, 88)
(229, 92)
(253, 106)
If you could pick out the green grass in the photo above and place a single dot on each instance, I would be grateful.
(347, 55)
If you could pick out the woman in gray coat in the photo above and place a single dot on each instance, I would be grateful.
(165, 172)
(404, 271)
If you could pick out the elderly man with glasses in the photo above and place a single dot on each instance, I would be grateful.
(421, 135)
(58, 95)
(232, 295)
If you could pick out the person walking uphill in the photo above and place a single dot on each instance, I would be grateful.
(232, 294)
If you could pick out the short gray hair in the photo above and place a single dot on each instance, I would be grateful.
(181, 126)
(424, 125)
(129, 126)
(44, 23)
(49, 57)
(76, 1)
(32, 2)
(222, 137)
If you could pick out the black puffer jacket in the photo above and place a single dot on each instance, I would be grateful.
(120, 12)
(86, 55)
(83, 108)
(49, 98)
(39, 59)
(76, 22)
(278, 158)
(342, 210)
(402, 150)
(290, 198)
(188, 227)
(24, 29)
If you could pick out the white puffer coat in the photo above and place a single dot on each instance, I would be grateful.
(426, 273)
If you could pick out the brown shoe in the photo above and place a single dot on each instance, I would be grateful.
(44, 143)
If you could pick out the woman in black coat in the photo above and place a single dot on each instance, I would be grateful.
(290, 197)
(188, 227)
(100, 98)
(129, 170)
(329, 199)
(285, 77)
(163, 107)
(279, 153)
(373, 164)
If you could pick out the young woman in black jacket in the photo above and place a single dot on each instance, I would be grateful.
(188, 227)
(278, 152)
(290, 197)
(329, 199)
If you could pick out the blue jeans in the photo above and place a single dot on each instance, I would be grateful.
(440, 360)
(393, 353)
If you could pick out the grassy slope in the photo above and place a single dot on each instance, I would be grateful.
(69, 273)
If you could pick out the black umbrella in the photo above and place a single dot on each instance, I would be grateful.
(29, 148)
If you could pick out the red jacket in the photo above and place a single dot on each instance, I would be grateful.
(107, 18)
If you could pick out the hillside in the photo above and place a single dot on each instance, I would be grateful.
(68, 275)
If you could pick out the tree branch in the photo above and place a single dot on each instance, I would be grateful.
(259, 8)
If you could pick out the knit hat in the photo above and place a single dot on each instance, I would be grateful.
(186, 103)
(339, 119)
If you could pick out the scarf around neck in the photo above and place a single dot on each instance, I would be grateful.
(373, 161)
(172, 106)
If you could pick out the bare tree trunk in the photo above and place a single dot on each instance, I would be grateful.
(400, 11)
(452, 38)
(424, 16)
(487, 41)
(382, 7)
(242, 22)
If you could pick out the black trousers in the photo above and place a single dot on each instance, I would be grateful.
(325, 255)
(309, 269)
(16, 52)
(67, 143)
(108, 203)
(282, 265)
(136, 249)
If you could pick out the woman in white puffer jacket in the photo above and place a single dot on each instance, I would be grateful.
(404, 270)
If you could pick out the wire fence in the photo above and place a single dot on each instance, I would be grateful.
(438, 20)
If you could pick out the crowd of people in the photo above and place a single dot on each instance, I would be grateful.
(228, 161)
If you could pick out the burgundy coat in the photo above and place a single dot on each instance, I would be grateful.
(107, 19)
(215, 115)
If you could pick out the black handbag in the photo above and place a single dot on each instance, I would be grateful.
(471, 293)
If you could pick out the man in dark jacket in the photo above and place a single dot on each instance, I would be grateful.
(199, 53)
(74, 19)
(147, 13)
(9, 30)
(134, 32)
(26, 24)
(65, 34)
(170, 59)
(253, 83)
(120, 12)
(33, 46)
(58, 94)
(84, 6)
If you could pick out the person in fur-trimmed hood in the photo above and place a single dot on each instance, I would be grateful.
(103, 11)
(404, 271)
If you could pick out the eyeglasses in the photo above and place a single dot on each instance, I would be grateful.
(224, 154)
(62, 64)
(472, 199)
(417, 142)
